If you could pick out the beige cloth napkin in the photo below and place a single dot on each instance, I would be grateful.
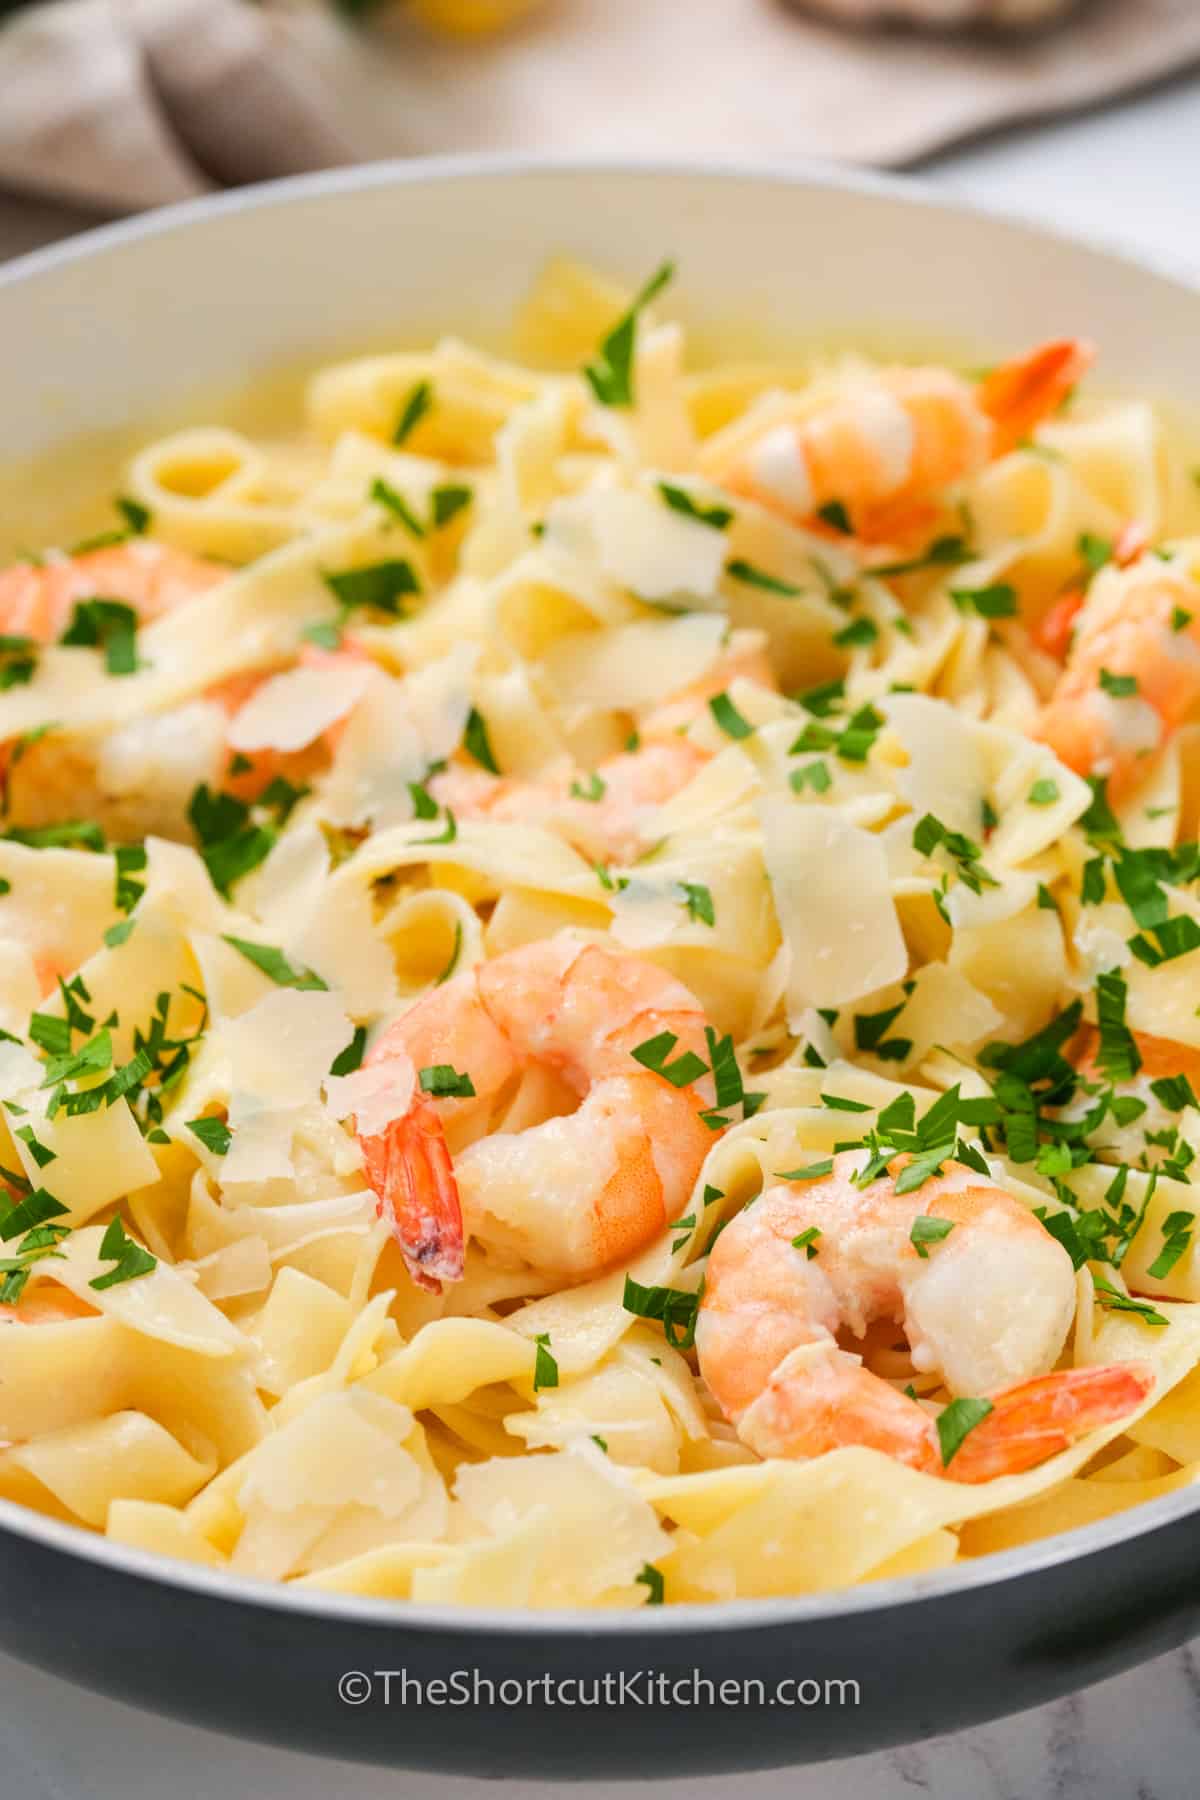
(122, 104)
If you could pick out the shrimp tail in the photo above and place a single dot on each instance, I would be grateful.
(1039, 1418)
(411, 1172)
(1054, 633)
(1019, 395)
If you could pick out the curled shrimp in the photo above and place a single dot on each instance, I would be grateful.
(1057, 628)
(988, 1307)
(37, 600)
(1132, 675)
(602, 811)
(895, 439)
(573, 1194)
(599, 812)
(248, 775)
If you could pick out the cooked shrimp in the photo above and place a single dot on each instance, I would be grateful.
(248, 775)
(38, 600)
(745, 659)
(573, 1194)
(1159, 1056)
(184, 746)
(46, 1304)
(602, 811)
(1057, 627)
(988, 1307)
(1132, 675)
(897, 438)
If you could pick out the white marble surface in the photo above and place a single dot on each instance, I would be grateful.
(1127, 174)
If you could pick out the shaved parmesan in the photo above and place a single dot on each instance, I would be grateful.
(641, 543)
(163, 1304)
(631, 666)
(295, 709)
(280, 1051)
(830, 884)
(373, 1096)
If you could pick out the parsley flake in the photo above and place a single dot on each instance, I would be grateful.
(610, 373)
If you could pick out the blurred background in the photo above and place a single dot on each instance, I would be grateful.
(110, 106)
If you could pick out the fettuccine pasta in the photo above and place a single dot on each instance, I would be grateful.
(598, 975)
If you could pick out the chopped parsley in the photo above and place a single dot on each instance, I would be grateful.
(451, 962)
(130, 861)
(1116, 1301)
(870, 1034)
(418, 402)
(728, 717)
(835, 515)
(955, 1422)
(73, 834)
(27, 1214)
(423, 803)
(929, 834)
(740, 570)
(655, 1054)
(1174, 1092)
(1166, 942)
(445, 1082)
(326, 634)
(1119, 686)
(593, 790)
(824, 700)
(41, 1153)
(138, 518)
(18, 660)
(814, 775)
(944, 552)
(447, 501)
(1095, 551)
(214, 1134)
(675, 1308)
(699, 902)
(447, 834)
(852, 743)
(810, 1172)
(1117, 1054)
(385, 495)
(129, 1259)
(610, 373)
(680, 501)
(1094, 882)
(477, 744)
(996, 602)
(382, 586)
(1044, 792)
(652, 1580)
(807, 1241)
(856, 635)
(275, 965)
(1099, 821)
(108, 625)
(545, 1368)
(926, 1231)
(348, 1060)
(232, 840)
